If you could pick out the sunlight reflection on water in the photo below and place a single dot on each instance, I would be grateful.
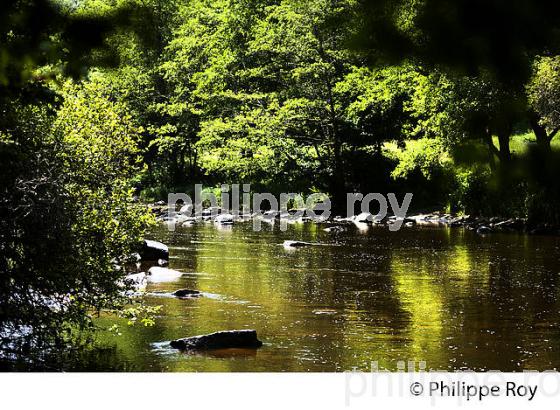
(445, 296)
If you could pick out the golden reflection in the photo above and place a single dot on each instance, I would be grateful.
(447, 297)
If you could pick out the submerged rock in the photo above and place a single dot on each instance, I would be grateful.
(325, 312)
(158, 274)
(483, 230)
(183, 293)
(153, 251)
(219, 340)
(296, 244)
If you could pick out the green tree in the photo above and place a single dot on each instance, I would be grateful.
(489, 43)
(66, 220)
(544, 97)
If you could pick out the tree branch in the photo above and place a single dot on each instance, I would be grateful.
(553, 133)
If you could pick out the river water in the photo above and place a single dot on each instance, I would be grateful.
(445, 296)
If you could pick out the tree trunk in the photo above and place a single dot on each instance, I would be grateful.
(338, 185)
(503, 138)
(543, 139)
(492, 150)
(338, 181)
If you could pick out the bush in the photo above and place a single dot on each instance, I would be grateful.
(66, 218)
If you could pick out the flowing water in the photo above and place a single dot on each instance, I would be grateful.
(449, 297)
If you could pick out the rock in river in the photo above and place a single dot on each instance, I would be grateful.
(158, 274)
(183, 293)
(153, 250)
(219, 340)
(296, 244)
(224, 219)
(364, 217)
(483, 230)
(335, 229)
(137, 281)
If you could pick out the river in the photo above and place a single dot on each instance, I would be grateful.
(445, 296)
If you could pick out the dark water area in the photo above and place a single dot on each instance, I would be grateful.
(449, 297)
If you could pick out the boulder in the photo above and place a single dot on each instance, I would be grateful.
(511, 224)
(224, 219)
(137, 281)
(297, 211)
(133, 258)
(157, 274)
(271, 214)
(318, 219)
(362, 226)
(219, 340)
(287, 215)
(459, 221)
(183, 293)
(334, 229)
(418, 218)
(153, 250)
(340, 219)
(364, 217)
(483, 230)
(446, 219)
(210, 212)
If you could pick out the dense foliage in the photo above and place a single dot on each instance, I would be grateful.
(323, 95)
(68, 152)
